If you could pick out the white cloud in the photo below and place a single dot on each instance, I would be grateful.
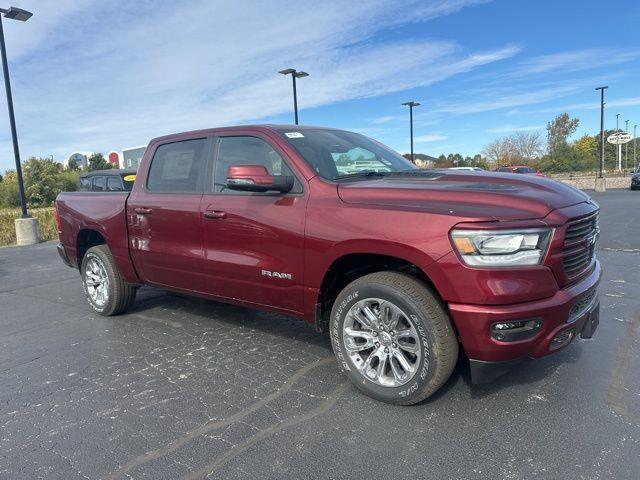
(96, 75)
(575, 61)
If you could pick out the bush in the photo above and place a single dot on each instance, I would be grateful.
(46, 216)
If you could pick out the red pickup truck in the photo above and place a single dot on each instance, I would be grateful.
(401, 266)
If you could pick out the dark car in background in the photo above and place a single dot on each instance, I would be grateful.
(112, 180)
(635, 179)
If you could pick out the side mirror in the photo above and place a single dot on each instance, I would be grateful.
(256, 178)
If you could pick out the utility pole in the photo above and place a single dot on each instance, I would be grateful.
(602, 89)
(626, 146)
(635, 161)
(411, 105)
(619, 151)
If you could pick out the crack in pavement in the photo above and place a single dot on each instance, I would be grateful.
(232, 453)
(215, 425)
(622, 363)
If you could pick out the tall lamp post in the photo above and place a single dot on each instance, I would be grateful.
(602, 89)
(294, 74)
(635, 162)
(411, 105)
(618, 146)
(21, 15)
(626, 146)
(27, 228)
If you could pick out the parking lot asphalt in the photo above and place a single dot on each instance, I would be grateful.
(187, 388)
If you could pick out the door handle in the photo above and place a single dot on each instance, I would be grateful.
(143, 210)
(215, 214)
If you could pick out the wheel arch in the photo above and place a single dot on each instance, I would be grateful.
(87, 238)
(348, 267)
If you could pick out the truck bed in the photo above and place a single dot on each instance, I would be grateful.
(105, 212)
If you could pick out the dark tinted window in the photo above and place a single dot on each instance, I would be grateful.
(177, 167)
(114, 184)
(525, 170)
(84, 184)
(127, 181)
(247, 151)
(505, 169)
(99, 183)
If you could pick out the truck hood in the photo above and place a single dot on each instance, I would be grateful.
(474, 195)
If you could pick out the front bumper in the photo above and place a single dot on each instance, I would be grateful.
(473, 322)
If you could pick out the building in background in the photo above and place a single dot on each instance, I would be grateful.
(131, 157)
(114, 158)
(81, 159)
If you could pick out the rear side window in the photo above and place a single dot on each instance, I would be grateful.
(525, 170)
(177, 167)
(84, 184)
(114, 184)
(99, 184)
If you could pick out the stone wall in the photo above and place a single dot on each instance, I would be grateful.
(588, 183)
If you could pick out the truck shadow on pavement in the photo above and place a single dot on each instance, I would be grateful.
(193, 309)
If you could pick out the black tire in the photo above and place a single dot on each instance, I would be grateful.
(437, 339)
(120, 295)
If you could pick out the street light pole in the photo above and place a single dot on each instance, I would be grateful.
(411, 105)
(635, 161)
(602, 89)
(294, 74)
(618, 146)
(21, 15)
(626, 146)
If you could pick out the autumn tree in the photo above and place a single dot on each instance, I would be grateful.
(558, 132)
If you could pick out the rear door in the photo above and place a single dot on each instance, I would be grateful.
(166, 236)
(253, 242)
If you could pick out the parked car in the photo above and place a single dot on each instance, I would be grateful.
(522, 169)
(112, 180)
(402, 267)
(635, 179)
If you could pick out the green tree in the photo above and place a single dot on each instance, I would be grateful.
(41, 181)
(98, 162)
(9, 195)
(558, 132)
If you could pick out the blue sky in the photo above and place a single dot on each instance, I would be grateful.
(90, 75)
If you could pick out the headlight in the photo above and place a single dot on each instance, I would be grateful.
(495, 248)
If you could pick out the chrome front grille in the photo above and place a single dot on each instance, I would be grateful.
(580, 244)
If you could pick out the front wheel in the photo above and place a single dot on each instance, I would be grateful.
(105, 289)
(393, 338)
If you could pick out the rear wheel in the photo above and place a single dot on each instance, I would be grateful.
(393, 338)
(104, 287)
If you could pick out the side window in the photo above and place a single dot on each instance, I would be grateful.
(248, 151)
(99, 184)
(114, 184)
(84, 184)
(177, 167)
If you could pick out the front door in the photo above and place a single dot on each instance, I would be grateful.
(165, 219)
(253, 242)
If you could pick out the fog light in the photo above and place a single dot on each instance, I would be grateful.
(561, 339)
(515, 330)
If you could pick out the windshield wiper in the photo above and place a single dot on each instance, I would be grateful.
(362, 174)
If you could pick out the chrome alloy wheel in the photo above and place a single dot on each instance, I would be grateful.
(97, 281)
(381, 342)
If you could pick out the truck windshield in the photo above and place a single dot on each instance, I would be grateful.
(338, 155)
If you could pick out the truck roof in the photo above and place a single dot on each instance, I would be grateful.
(274, 127)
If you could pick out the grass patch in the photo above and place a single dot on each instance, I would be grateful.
(46, 216)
